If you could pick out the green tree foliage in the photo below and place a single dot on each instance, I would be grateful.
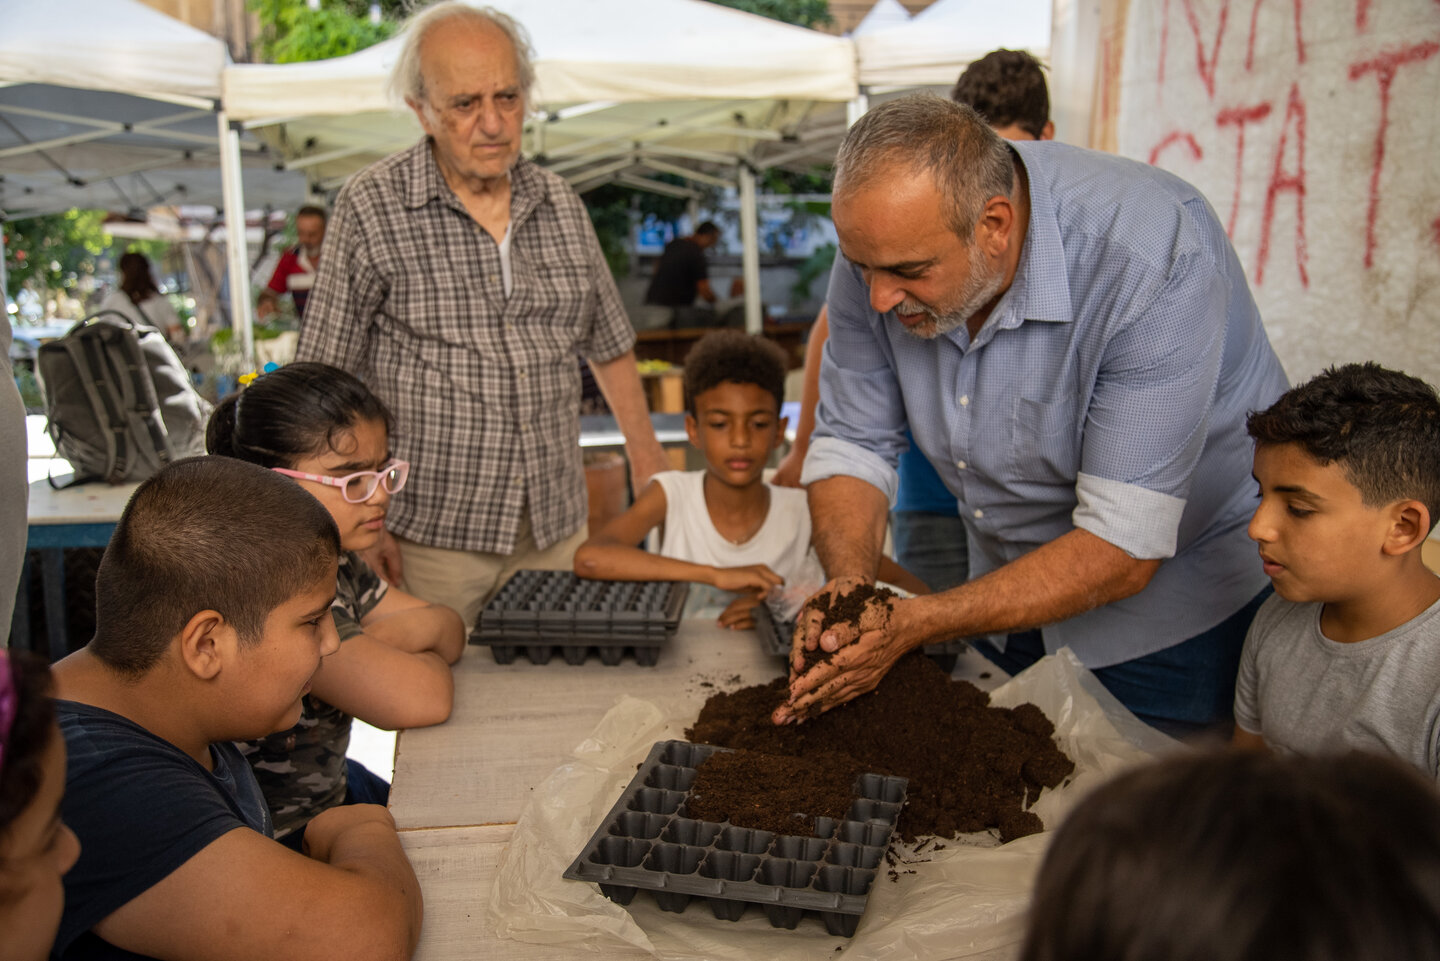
(290, 32)
(54, 251)
(802, 13)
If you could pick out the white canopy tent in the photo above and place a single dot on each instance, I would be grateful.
(937, 44)
(885, 14)
(109, 104)
(625, 89)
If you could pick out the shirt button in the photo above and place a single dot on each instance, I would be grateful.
(979, 512)
(965, 401)
(518, 481)
(493, 278)
(960, 464)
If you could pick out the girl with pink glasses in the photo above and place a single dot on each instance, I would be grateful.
(324, 428)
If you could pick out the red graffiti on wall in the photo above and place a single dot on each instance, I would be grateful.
(1282, 181)
(1178, 136)
(1362, 15)
(1384, 66)
(1238, 117)
(1299, 39)
(1205, 64)
(1436, 227)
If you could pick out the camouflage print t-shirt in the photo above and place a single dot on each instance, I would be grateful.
(302, 770)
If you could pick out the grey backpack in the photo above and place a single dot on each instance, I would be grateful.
(119, 402)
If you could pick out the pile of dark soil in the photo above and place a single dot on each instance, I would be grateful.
(846, 608)
(971, 766)
(779, 794)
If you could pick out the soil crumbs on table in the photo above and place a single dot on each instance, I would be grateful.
(780, 794)
(971, 766)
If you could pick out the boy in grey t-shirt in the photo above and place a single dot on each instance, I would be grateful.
(1347, 654)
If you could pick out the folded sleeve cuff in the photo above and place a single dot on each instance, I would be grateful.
(1141, 522)
(830, 456)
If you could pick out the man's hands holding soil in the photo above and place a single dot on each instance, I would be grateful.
(832, 663)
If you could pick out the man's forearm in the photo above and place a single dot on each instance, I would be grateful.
(1074, 573)
(620, 383)
(847, 520)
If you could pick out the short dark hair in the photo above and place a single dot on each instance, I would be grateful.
(735, 357)
(310, 210)
(1380, 425)
(1240, 855)
(1006, 87)
(29, 737)
(206, 533)
(291, 413)
(969, 162)
(708, 228)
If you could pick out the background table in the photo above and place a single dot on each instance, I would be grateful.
(82, 516)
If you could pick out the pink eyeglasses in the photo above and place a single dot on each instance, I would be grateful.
(359, 486)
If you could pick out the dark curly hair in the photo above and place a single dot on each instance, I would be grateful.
(30, 735)
(1380, 425)
(734, 357)
(1245, 855)
(1006, 87)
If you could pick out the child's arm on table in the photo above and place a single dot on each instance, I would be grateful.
(385, 686)
(244, 896)
(409, 624)
(611, 553)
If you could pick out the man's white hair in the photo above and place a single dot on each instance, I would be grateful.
(407, 79)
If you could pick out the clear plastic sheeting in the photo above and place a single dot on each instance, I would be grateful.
(965, 901)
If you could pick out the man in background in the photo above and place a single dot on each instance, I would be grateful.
(298, 266)
(682, 276)
(460, 281)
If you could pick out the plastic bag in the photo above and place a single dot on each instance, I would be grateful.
(966, 900)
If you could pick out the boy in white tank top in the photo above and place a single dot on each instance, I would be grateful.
(724, 526)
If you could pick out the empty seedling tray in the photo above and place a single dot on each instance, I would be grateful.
(538, 613)
(775, 638)
(647, 842)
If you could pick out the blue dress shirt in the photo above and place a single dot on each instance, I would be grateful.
(1107, 391)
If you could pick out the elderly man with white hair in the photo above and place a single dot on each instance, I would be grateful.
(460, 281)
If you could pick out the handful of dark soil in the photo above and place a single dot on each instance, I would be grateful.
(971, 766)
(780, 794)
(848, 608)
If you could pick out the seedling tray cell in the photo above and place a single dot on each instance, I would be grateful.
(647, 842)
(775, 638)
(538, 614)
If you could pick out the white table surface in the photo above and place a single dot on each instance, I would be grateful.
(515, 723)
(94, 503)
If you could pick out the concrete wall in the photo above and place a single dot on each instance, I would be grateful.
(1312, 127)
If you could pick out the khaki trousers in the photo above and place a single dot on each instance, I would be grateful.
(466, 580)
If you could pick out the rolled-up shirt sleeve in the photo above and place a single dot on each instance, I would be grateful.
(860, 420)
(1150, 412)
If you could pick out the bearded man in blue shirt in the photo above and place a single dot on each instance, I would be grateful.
(1070, 339)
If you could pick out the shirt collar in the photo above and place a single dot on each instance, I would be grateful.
(1040, 290)
(425, 183)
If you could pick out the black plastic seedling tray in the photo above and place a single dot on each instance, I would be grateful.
(775, 639)
(542, 613)
(647, 842)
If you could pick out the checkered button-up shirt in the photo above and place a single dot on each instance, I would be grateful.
(485, 388)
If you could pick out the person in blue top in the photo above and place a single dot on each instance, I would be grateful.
(1070, 339)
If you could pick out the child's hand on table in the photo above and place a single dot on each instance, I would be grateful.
(751, 578)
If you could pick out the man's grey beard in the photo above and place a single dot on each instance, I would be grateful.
(979, 289)
(312, 252)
